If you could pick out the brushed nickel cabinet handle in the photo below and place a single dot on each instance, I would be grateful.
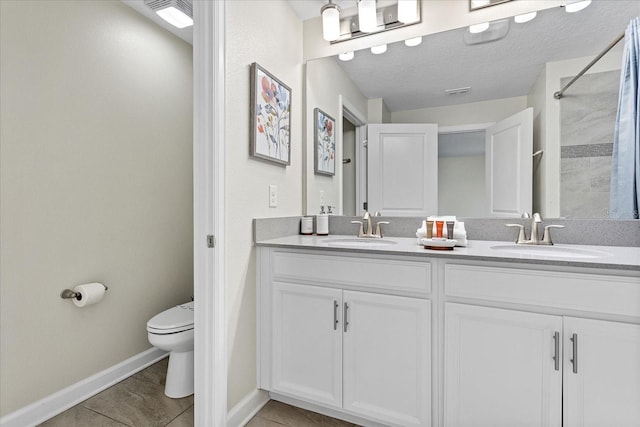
(335, 315)
(346, 316)
(556, 350)
(574, 361)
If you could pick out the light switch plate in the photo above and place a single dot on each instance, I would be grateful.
(273, 196)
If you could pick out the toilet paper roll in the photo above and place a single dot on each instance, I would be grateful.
(88, 294)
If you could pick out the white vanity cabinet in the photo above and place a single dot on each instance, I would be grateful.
(499, 368)
(338, 338)
(307, 343)
(603, 387)
(506, 367)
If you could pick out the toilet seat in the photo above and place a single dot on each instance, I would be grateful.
(173, 320)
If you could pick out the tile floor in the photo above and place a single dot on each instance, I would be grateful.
(139, 401)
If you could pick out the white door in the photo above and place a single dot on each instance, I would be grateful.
(403, 169)
(387, 358)
(603, 387)
(307, 343)
(500, 368)
(509, 165)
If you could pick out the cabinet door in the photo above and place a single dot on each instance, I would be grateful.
(387, 360)
(603, 387)
(307, 343)
(500, 368)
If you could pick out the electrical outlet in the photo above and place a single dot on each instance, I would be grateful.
(273, 196)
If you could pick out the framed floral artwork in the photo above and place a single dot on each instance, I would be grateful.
(270, 137)
(325, 143)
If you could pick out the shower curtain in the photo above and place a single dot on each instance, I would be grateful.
(625, 168)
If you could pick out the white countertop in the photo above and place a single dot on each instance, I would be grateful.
(609, 257)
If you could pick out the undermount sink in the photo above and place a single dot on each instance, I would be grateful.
(358, 242)
(551, 251)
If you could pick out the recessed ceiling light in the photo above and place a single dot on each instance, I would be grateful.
(377, 50)
(346, 56)
(576, 6)
(521, 19)
(478, 28)
(413, 42)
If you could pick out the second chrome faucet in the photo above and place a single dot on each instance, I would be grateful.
(366, 229)
(534, 239)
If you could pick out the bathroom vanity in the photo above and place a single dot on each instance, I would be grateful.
(492, 334)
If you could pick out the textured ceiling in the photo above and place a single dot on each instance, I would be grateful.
(410, 78)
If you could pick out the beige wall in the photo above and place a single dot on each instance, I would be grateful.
(461, 188)
(96, 185)
(378, 111)
(462, 114)
(270, 34)
(325, 82)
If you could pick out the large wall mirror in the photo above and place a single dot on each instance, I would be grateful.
(464, 83)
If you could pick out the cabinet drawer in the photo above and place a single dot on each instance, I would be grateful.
(372, 273)
(575, 291)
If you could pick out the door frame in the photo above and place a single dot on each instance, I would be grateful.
(348, 111)
(210, 347)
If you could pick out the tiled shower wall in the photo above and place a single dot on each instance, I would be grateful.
(587, 122)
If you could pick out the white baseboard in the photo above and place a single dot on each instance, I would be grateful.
(68, 397)
(244, 410)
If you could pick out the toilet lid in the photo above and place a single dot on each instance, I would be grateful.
(175, 319)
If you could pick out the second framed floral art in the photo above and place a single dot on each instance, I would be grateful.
(324, 143)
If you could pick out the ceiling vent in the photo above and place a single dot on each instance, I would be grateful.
(458, 91)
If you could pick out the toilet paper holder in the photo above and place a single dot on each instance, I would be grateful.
(69, 294)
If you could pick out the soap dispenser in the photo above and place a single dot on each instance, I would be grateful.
(322, 223)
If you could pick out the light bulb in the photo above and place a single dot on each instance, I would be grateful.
(478, 28)
(521, 19)
(330, 21)
(577, 6)
(367, 16)
(413, 42)
(407, 11)
(346, 56)
(377, 50)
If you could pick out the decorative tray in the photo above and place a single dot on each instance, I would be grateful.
(439, 244)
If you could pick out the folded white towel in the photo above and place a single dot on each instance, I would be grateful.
(459, 232)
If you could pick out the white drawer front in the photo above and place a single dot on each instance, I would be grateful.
(574, 291)
(372, 273)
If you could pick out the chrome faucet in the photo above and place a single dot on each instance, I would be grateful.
(368, 231)
(534, 239)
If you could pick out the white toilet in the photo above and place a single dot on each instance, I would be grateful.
(172, 331)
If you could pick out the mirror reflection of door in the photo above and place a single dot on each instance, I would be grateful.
(472, 171)
(348, 168)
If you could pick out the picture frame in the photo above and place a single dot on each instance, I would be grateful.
(270, 115)
(324, 137)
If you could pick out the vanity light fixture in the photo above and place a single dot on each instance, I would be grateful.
(178, 13)
(407, 11)
(346, 56)
(576, 6)
(478, 28)
(367, 16)
(413, 42)
(330, 21)
(526, 17)
(377, 50)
